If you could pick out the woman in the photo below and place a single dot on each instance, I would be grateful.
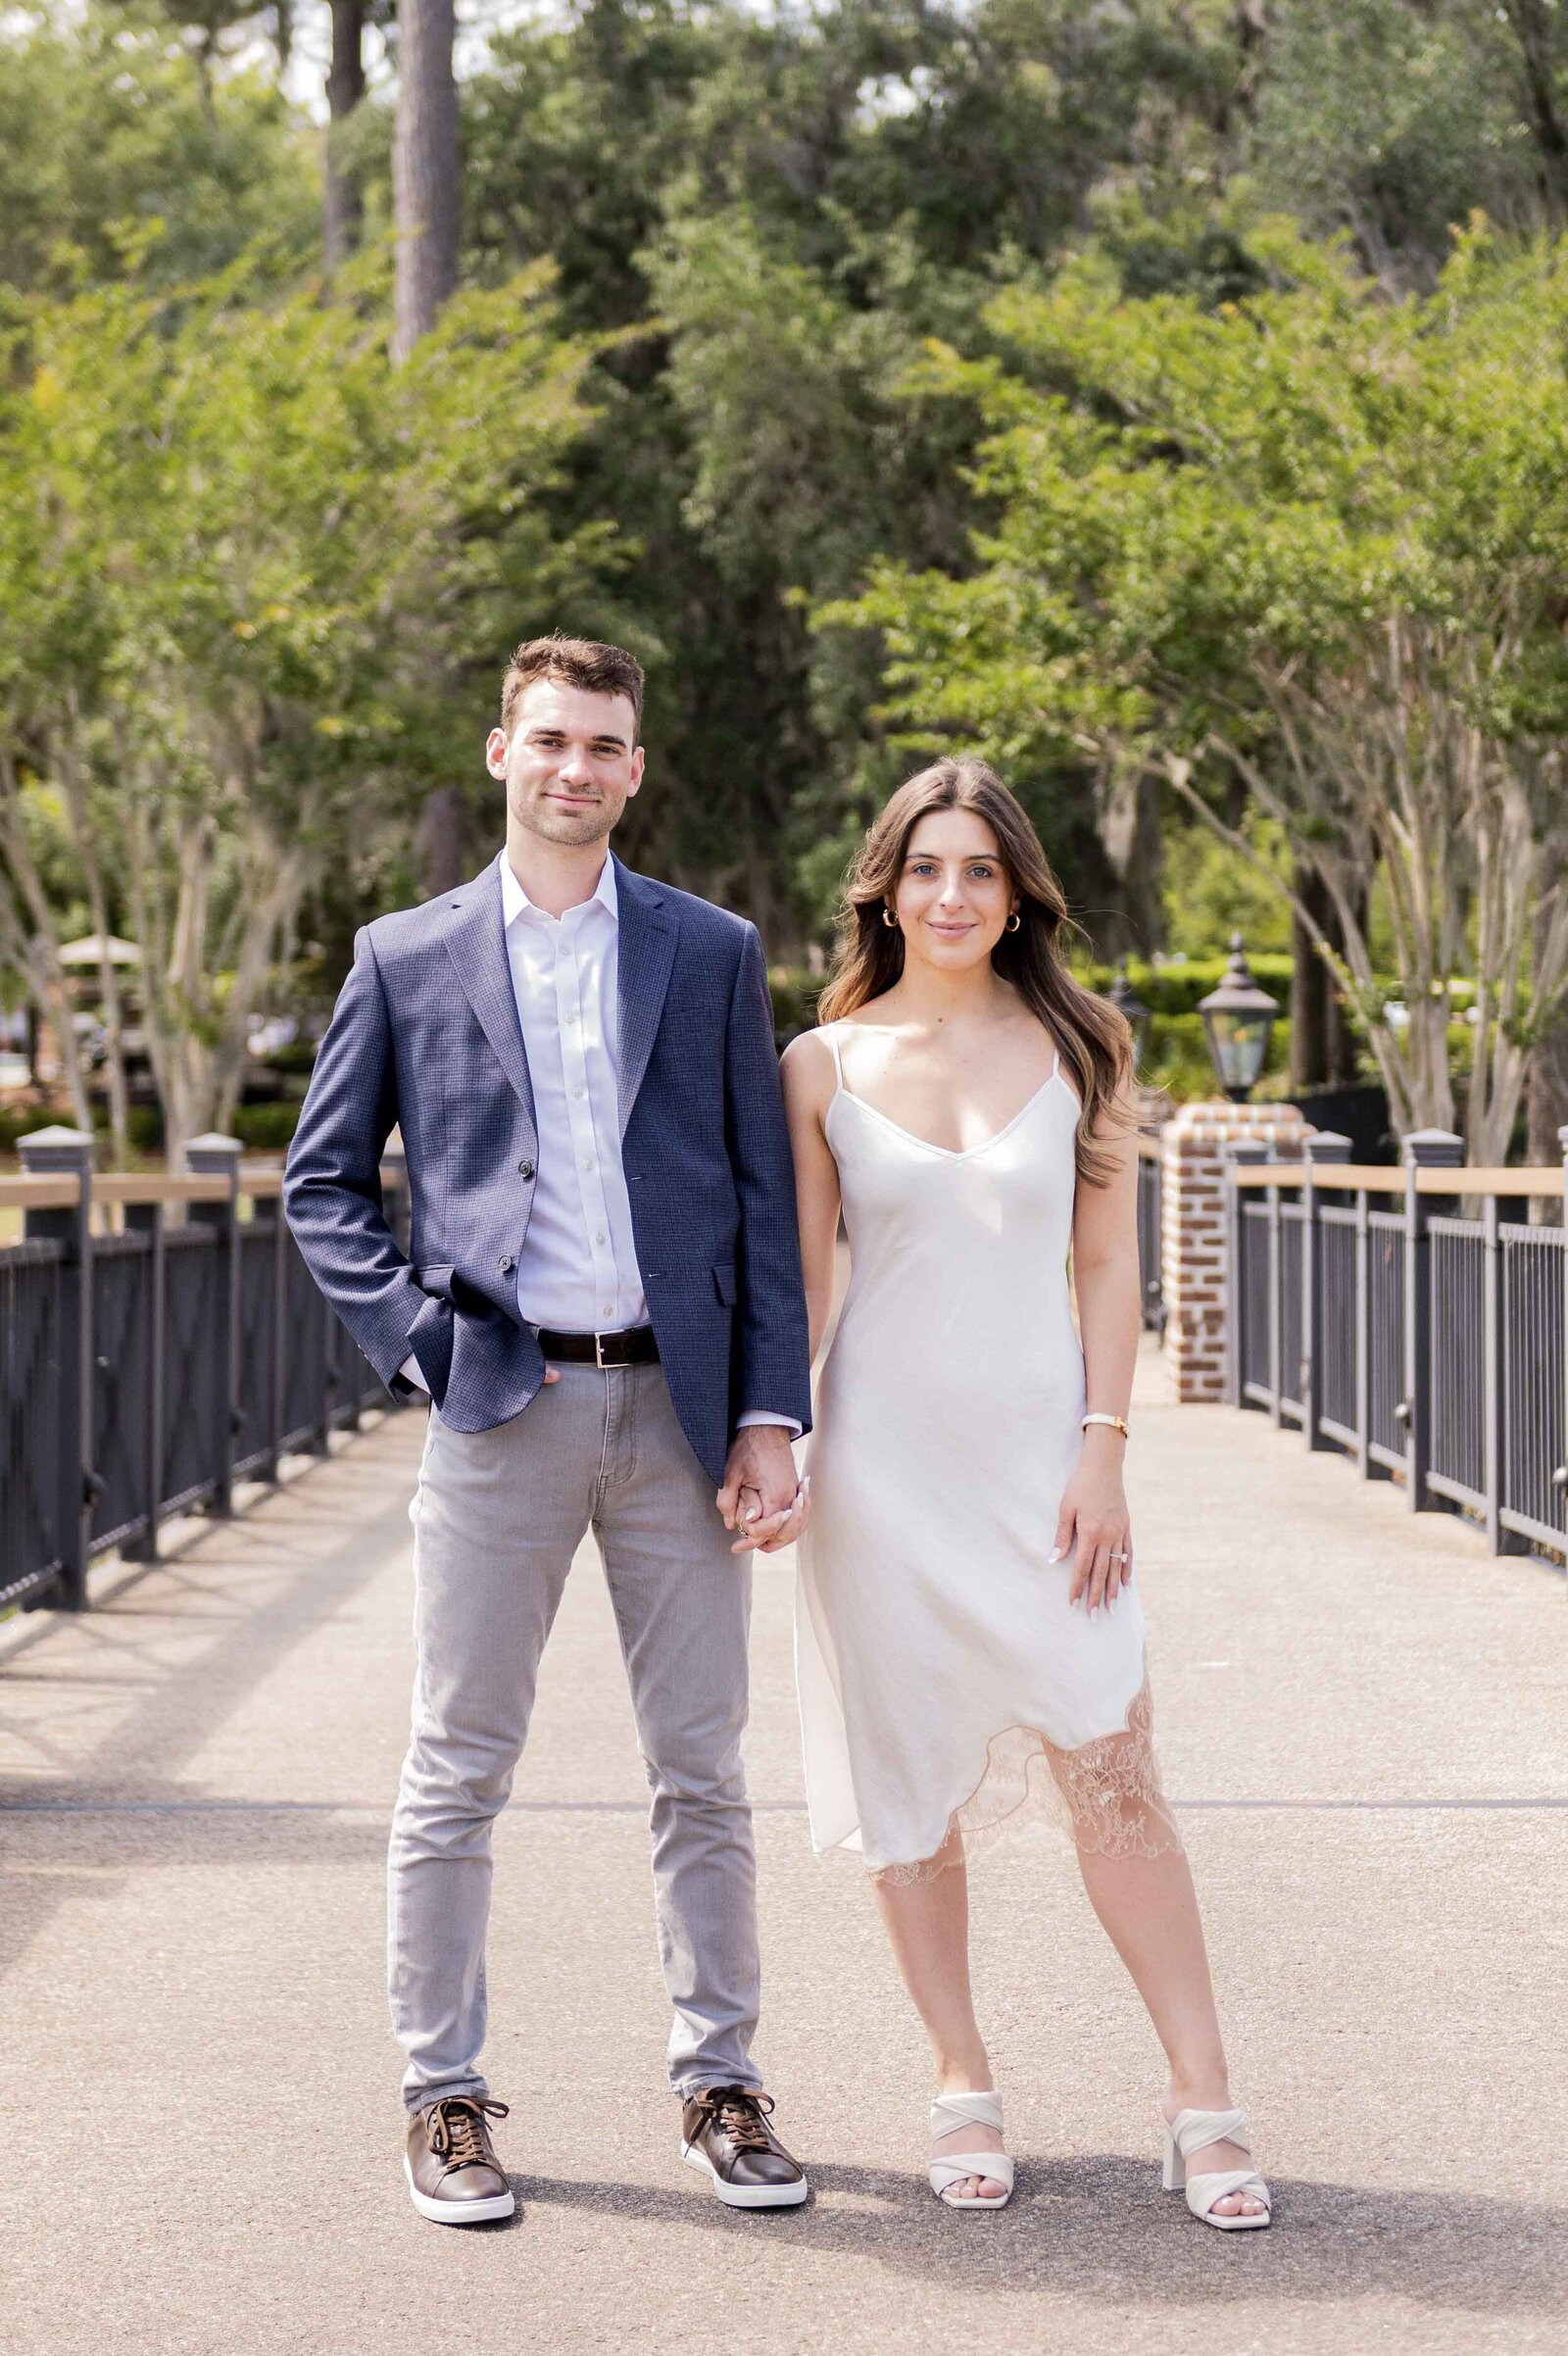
(969, 1636)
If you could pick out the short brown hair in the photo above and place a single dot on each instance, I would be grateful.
(602, 670)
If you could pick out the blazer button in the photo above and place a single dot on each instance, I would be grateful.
(525, 1169)
(506, 1263)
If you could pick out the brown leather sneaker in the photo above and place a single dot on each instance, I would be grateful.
(454, 2174)
(724, 2132)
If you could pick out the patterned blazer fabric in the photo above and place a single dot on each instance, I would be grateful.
(426, 1037)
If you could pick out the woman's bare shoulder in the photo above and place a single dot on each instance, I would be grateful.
(807, 1066)
(873, 1014)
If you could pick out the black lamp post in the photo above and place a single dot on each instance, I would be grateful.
(1238, 1018)
(1127, 1002)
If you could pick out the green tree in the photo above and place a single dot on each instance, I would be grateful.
(1315, 542)
(113, 160)
(242, 559)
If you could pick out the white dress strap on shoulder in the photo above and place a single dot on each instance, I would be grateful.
(830, 1032)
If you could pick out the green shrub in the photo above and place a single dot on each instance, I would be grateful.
(265, 1128)
(795, 992)
(17, 1120)
(1171, 989)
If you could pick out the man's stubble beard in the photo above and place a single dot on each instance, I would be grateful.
(572, 833)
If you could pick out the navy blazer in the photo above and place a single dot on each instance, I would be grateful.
(426, 1037)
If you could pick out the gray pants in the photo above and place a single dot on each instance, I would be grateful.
(497, 1520)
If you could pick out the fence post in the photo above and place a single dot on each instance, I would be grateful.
(1363, 1335)
(1559, 1472)
(1494, 1396)
(53, 1154)
(1423, 1149)
(214, 1156)
(142, 1545)
(269, 1210)
(1276, 1303)
(1238, 1149)
(1327, 1147)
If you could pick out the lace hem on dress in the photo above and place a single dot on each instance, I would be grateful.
(1106, 1796)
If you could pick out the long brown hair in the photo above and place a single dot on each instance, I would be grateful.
(1096, 1044)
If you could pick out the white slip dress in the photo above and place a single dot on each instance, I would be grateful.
(946, 1685)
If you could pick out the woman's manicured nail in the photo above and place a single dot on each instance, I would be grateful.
(1055, 1555)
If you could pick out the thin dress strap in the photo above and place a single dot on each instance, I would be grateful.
(830, 1032)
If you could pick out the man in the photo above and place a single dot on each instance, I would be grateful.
(604, 1301)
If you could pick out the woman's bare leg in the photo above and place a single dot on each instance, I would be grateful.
(1150, 1910)
(928, 1924)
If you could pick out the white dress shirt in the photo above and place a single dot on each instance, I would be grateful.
(578, 1271)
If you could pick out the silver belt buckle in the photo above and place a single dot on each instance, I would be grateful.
(599, 1352)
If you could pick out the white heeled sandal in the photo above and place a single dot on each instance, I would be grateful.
(949, 2113)
(1191, 2131)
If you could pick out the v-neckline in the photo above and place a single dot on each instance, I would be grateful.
(954, 1152)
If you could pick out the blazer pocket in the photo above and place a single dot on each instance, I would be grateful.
(431, 1338)
(724, 1284)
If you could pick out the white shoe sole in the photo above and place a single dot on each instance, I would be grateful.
(458, 2212)
(746, 2196)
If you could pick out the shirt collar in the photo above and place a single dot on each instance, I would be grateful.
(515, 900)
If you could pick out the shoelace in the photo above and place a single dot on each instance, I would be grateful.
(457, 2130)
(741, 2114)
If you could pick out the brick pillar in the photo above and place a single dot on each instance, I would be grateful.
(1193, 1229)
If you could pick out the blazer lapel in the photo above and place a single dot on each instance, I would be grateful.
(476, 943)
(646, 951)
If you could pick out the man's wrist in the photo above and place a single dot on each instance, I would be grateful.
(756, 1418)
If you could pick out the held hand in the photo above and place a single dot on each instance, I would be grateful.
(760, 1497)
(1093, 1522)
(799, 1515)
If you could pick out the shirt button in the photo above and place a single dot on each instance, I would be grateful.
(506, 1265)
(599, 1239)
(588, 1165)
(578, 1092)
(525, 1168)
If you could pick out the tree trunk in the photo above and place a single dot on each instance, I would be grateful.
(1547, 1093)
(1130, 825)
(30, 942)
(1250, 26)
(441, 841)
(342, 203)
(78, 798)
(1533, 23)
(424, 171)
(1322, 1045)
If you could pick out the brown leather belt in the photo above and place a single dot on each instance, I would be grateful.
(635, 1347)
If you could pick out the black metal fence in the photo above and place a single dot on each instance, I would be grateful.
(1371, 1311)
(160, 1339)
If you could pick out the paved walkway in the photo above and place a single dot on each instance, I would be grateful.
(1363, 1715)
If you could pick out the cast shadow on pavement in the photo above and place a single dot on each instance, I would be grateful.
(1098, 2226)
(140, 1719)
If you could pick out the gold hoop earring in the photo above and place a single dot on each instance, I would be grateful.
(890, 920)
(1015, 922)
